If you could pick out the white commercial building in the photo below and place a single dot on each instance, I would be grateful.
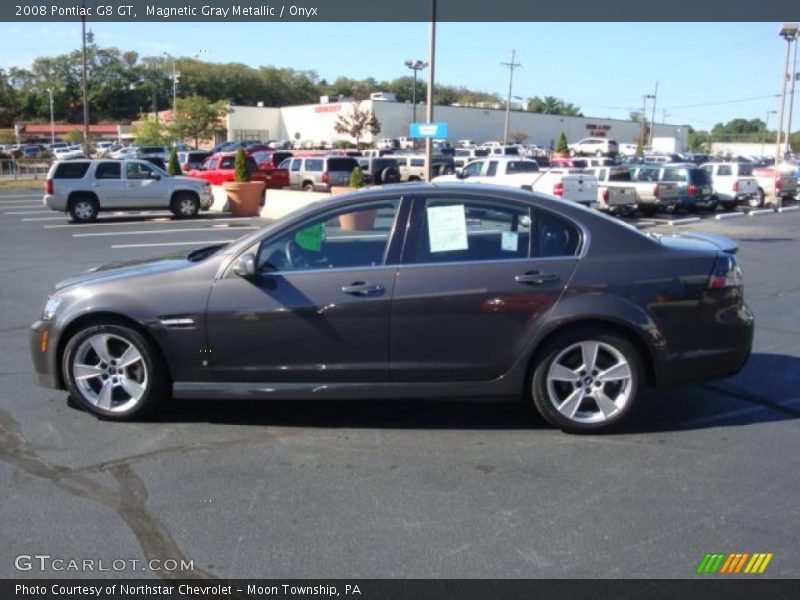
(315, 123)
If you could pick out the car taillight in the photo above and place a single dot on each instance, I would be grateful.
(326, 178)
(736, 186)
(692, 189)
(558, 189)
(48, 187)
(778, 183)
(605, 195)
(656, 191)
(726, 273)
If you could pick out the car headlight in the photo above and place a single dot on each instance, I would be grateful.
(50, 307)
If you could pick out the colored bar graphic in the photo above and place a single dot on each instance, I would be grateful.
(723, 563)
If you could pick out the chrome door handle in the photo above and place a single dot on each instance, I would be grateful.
(536, 278)
(360, 288)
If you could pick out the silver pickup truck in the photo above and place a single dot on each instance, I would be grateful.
(651, 194)
(83, 188)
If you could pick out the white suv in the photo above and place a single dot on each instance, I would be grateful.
(594, 146)
(83, 188)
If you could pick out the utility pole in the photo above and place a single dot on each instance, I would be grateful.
(52, 119)
(788, 32)
(429, 108)
(766, 129)
(791, 96)
(653, 118)
(511, 66)
(83, 86)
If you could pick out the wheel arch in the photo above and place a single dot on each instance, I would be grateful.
(178, 192)
(77, 194)
(101, 318)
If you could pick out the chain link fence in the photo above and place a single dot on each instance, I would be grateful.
(24, 168)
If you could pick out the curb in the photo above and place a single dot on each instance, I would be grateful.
(732, 215)
(762, 211)
(684, 221)
(788, 209)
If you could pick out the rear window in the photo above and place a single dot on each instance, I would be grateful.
(521, 166)
(580, 164)
(342, 164)
(513, 151)
(745, 170)
(71, 170)
(619, 175)
(151, 149)
(198, 156)
(699, 177)
(674, 175)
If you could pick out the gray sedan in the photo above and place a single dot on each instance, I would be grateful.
(450, 290)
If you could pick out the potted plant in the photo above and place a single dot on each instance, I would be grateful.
(244, 196)
(357, 221)
(562, 148)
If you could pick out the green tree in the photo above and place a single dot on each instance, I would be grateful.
(197, 118)
(562, 147)
(73, 137)
(241, 168)
(148, 131)
(8, 101)
(358, 123)
(550, 105)
(519, 136)
(173, 166)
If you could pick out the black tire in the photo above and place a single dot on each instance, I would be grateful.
(562, 348)
(572, 152)
(713, 205)
(185, 205)
(150, 370)
(671, 209)
(308, 186)
(389, 175)
(83, 209)
(758, 200)
(648, 210)
(728, 205)
(414, 178)
(599, 153)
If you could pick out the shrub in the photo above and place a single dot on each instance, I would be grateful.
(241, 169)
(561, 145)
(356, 178)
(173, 166)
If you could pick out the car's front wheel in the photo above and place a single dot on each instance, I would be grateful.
(114, 372)
(587, 380)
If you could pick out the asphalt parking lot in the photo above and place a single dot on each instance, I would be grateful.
(400, 489)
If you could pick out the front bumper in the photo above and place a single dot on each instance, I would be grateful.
(43, 343)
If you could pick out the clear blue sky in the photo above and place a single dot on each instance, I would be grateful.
(706, 72)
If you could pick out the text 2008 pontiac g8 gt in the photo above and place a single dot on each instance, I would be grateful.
(405, 292)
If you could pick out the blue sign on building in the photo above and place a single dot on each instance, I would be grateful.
(428, 130)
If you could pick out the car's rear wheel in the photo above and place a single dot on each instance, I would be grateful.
(587, 380)
(599, 153)
(83, 209)
(185, 206)
(114, 372)
(572, 152)
(308, 186)
(757, 201)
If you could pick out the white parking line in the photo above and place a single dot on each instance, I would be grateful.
(3, 198)
(155, 231)
(45, 219)
(209, 242)
(157, 221)
(20, 205)
(28, 212)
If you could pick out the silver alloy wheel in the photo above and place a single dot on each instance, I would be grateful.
(186, 207)
(110, 372)
(84, 210)
(590, 382)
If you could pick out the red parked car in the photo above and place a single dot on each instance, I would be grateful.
(218, 168)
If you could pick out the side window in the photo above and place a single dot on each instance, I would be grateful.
(554, 236)
(227, 162)
(491, 170)
(108, 170)
(137, 170)
(211, 165)
(725, 170)
(296, 164)
(602, 174)
(473, 169)
(353, 237)
(647, 175)
(460, 229)
(313, 164)
(285, 163)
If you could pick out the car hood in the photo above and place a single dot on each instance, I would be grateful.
(125, 270)
(696, 240)
(192, 180)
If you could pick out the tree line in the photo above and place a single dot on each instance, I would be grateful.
(121, 85)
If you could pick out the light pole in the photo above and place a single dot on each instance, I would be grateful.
(766, 129)
(788, 32)
(645, 98)
(83, 85)
(791, 95)
(429, 107)
(52, 119)
(653, 118)
(511, 66)
(416, 66)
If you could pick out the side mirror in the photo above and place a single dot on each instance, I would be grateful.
(462, 174)
(245, 266)
(155, 176)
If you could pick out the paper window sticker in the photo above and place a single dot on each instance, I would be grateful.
(447, 228)
(509, 241)
(311, 238)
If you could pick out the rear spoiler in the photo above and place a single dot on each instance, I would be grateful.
(725, 244)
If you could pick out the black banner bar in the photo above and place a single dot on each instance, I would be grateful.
(405, 11)
(731, 588)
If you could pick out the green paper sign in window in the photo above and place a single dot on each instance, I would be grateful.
(311, 238)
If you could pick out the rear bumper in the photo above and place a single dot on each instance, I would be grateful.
(55, 203)
(734, 333)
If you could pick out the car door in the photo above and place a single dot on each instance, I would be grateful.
(108, 184)
(317, 308)
(144, 187)
(474, 285)
(295, 173)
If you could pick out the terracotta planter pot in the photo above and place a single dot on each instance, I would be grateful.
(359, 221)
(244, 198)
(341, 189)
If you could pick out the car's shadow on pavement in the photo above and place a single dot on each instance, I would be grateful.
(767, 390)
